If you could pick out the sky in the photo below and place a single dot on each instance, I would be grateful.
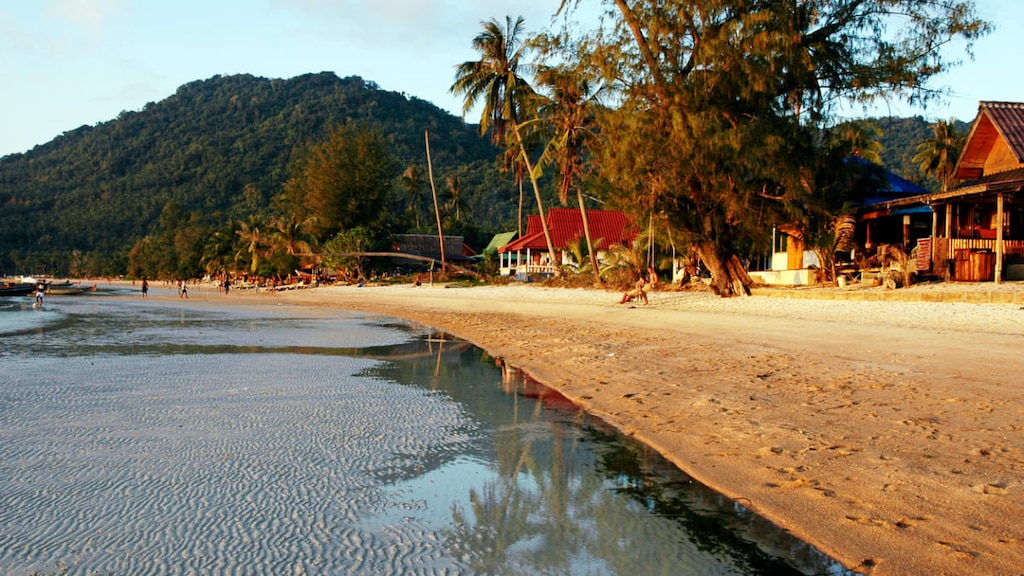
(69, 63)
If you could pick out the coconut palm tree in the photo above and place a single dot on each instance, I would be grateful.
(496, 82)
(456, 203)
(860, 138)
(412, 184)
(291, 235)
(253, 241)
(569, 114)
(937, 156)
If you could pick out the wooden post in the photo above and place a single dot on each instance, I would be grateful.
(437, 213)
(999, 238)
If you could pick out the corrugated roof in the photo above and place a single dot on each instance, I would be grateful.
(995, 120)
(500, 240)
(1009, 120)
(566, 225)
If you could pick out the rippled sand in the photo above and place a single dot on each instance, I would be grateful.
(192, 464)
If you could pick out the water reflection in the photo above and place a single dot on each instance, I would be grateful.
(568, 494)
(433, 457)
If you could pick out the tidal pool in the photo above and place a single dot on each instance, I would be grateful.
(163, 437)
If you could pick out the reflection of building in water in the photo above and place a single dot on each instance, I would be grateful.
(509, 374)
(515, 381)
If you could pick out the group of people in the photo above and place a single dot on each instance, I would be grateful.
(641, 288)
(182, 289)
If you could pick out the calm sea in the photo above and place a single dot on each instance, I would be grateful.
(187, 437)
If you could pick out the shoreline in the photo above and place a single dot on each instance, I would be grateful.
(888, 434)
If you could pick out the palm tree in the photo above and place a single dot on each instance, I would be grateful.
(495, 79)
(253, 242)
(219, 248)
(858, 138)
(412, 184)
(456, 203)
(569, 114)
(939, 154)
(290, 235)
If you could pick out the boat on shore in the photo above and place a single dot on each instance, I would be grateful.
(16, 289)
(68, 289)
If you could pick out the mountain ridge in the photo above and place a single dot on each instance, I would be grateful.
(220, 146)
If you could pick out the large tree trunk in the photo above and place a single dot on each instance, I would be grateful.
(728, 277)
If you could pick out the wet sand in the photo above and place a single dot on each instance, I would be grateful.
(888, 434)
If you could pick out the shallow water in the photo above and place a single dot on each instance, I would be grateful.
(139, 437)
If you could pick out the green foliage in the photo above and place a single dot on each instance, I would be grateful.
(220, 148)
(900, 139)
(721, 102)
(343, 181)
(338, 250)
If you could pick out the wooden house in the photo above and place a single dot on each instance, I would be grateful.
(889, 210)
(529, 254)
(428, 246)
(979, 225)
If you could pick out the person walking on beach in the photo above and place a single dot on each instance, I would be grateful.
(145, 288)
(40, 290)
(182, 289)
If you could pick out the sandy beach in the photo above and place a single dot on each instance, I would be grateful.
(887, 430)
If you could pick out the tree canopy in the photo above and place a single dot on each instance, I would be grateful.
(721, 103)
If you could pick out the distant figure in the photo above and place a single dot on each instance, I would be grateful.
(182, 289)
(145, 288)
(40, 290)
(652, 279)
(227, 285)
(638, 292)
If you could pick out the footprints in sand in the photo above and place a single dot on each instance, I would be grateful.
(960, 550)
(901, 524)
(994, 488)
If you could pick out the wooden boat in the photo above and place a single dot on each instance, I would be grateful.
(68, 289)
(17, 289)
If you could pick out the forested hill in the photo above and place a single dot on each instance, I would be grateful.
(221, 147)
(899, 140)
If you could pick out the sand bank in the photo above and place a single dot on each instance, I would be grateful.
(888, 434)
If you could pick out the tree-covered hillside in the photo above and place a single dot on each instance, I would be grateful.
(900, 138)
(221, 147)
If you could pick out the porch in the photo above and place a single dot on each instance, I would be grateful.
(520, 264)
(976, 259)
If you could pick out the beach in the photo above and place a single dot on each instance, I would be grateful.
(886, 431)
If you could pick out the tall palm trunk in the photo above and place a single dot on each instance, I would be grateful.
(433, 191)
(519, 223)
(536, 191)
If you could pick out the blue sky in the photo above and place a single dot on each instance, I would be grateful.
(68, 63)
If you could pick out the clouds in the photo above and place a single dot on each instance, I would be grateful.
(391, 25)
(74, 62)
(87, 15)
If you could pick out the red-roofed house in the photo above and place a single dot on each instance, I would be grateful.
(529, 254)
(979, 226)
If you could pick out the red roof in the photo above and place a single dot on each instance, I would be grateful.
(607, 227)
